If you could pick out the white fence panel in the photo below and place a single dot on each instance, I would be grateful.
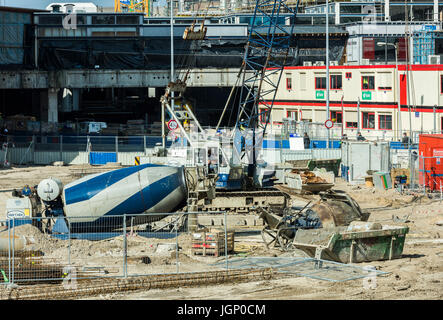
(20, 155)
(326, 154)
(46, 157)
(77, 157)
(128, 158)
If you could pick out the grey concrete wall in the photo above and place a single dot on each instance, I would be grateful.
(83, 79)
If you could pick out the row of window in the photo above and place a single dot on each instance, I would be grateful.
(82, 19)
(336, 83)
(368, 120)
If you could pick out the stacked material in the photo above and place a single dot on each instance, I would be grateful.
(308, 177)
(29, 269)
(135, 127)
(156, 128)
(212, 242)
(111, 129)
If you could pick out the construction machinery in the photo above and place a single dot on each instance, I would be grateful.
(242, 179)
(141, 6)
(226, 160)
(335, 208)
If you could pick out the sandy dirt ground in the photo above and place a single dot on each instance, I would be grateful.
(417, 275)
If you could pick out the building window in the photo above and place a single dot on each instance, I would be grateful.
(293, 115)
(288, 82)
(50, 19)
(441, 84)
(368, 120)
(367, 82)
(402, 52)
(348, 75)
(385, 81)
(337, 116)
(103, 19)
(351, 125)
(303, 81)
(385, 122)
(264, 115)
(336, 82)
(368, 48)
(306, 115)
(123, 19)
(320, 83)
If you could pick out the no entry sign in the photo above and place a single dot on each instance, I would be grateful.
(172, 125)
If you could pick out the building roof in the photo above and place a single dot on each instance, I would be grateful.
(21, 10)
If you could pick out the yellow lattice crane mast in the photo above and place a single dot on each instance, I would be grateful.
(142, 6)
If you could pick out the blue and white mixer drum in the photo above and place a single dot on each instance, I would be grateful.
(149, 188)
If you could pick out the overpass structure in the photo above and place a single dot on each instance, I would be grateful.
(76, 80)
(84, 79)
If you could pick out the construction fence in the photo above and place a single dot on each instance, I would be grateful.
(34, 250)
(69, 251)
(94, 150)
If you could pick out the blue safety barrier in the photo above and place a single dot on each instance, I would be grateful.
(98, 158)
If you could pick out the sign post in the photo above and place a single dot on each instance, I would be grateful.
(328, 124)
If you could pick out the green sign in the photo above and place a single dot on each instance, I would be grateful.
(319, 94)
(366, 95)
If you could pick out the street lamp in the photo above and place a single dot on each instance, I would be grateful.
(395, 45)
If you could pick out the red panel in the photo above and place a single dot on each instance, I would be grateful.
(403, 90)
(369, 48)
(402, 49)
(431, 169)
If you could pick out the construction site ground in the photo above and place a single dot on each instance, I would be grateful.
(417, 275)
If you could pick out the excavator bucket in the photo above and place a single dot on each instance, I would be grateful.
(336, 208)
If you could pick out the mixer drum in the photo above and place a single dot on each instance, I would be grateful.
(132, 191)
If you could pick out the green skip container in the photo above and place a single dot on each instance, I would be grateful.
(338, 244)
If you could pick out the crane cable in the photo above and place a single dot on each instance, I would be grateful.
(188, 60)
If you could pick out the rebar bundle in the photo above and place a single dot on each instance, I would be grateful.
(92, 287)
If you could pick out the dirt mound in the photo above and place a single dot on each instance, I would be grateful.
(38, 240)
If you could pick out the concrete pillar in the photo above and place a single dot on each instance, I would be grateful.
(67, 100)
(387, 11)
(52, 105)
(44, 105)
(436, 14)
(337, 13)
(75, 99)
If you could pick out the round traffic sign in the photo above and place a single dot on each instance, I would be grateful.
(329, 123)
(172, 124)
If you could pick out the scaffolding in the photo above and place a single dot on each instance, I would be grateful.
(424, 46)
(133, 6)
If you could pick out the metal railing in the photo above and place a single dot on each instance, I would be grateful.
(65, 249)
(84, 143)
(89, 256)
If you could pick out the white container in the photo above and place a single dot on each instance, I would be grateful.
(49, 189)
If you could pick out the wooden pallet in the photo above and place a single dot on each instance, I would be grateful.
(212, 242)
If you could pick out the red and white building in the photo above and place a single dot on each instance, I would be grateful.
(367, 97)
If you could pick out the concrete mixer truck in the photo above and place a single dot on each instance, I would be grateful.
(91, 202)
